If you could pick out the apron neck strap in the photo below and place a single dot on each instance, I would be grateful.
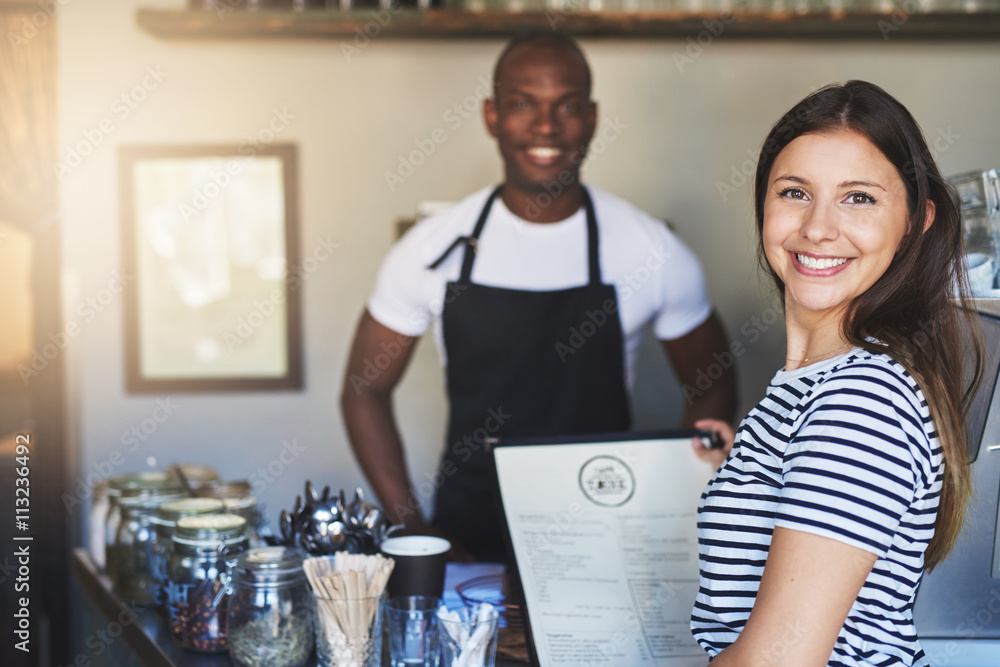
(470, 249)
(471, 241)
(593, 245)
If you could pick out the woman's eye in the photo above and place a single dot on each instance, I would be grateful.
(860, 198)
(792, 193)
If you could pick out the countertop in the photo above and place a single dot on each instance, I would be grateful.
(107, 620)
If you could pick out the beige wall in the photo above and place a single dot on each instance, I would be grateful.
(682, 132)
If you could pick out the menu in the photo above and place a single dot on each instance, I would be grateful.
(605, 541)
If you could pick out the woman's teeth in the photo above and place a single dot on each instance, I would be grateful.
(544, 152)
(817, 264)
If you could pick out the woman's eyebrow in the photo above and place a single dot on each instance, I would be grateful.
(861, 184)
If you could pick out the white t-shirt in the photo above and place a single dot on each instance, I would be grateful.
(656, 277)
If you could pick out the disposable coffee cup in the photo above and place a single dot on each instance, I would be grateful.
(420, 564)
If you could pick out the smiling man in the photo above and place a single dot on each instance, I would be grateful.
(538, 291)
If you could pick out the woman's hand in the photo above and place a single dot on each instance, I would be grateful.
(714, 456)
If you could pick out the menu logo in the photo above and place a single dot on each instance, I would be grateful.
(607, 481)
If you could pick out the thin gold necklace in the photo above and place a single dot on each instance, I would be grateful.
(803, 361)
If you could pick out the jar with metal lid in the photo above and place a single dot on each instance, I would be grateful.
(133, 573)
(204, 549)
(236, 495)
(270, 609)
(196, 475)
(116, 485)
(164, 521)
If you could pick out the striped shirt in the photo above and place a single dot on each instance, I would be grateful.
(844, 449)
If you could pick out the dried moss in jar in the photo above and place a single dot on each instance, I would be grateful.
(204, 550)
(270, 610)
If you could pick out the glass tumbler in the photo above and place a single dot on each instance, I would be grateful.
(348, 631)
(411, 623)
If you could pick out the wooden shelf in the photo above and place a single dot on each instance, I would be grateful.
(450, 23)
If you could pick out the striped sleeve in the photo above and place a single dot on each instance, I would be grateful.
(857, 458)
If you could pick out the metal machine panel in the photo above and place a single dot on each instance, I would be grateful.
(961, 597)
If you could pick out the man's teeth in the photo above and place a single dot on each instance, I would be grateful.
(543, 151)
(817, 264)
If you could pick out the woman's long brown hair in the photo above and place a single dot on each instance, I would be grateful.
(916, 310)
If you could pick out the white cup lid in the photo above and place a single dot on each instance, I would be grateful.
(415, 545)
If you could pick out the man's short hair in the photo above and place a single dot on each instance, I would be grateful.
(544, 38)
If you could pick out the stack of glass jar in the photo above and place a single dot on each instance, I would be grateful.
(130, 561)
(112, 513)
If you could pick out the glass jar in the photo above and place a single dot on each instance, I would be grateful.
(204, 550)
(164, 521)
(116, 485)
(238, 500)
(270, 610)
(197, 475)
(133, 573)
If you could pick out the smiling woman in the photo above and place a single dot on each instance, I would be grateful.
(849, 478)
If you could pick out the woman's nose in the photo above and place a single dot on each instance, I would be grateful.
(820, 223)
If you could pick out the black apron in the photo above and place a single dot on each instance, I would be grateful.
(522, 363)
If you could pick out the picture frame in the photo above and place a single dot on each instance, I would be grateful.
(209, 250)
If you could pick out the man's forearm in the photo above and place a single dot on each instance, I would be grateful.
(371, 429)
(719, 402)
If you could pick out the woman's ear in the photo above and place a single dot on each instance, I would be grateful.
(929, 215)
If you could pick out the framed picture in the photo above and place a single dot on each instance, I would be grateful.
(210, 242)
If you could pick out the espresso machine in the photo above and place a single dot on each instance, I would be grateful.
(957, 611)
(960, 599)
